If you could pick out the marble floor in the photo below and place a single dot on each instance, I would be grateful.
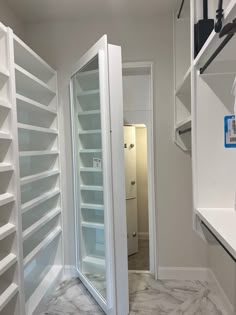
(140, 261)
(147, 297)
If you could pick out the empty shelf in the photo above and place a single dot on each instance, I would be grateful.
(35, 177)
(42, 245)
(30, 86)
(30, 105)
(36, 128)
(37, 153)
(6, 198)
(5, 167)
(91, 151)
(6, 261)
(184, 124)
(4, 75)
(91, 206)
(40, 223)
(89, 132)
(37, 201)
(6, 230)
(95, 260)
(7, 295)
(4, 104)
(90, 169)
(5, 135)
(88, 93)
(97, 226)
(91, 188)
(89, 112)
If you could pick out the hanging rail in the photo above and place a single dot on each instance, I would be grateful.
(180, 9)
(181, 132)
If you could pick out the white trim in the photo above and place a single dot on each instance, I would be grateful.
(143, 235)
(182, 273)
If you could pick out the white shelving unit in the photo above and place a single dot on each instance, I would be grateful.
(182, 79)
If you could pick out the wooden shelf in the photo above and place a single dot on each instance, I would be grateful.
(32, 106)
(28, 59)
(7, 295)
(92, 206)
(37, 201)
(91, 225)
(36, 177)
(94, 260)
(42, 245)
(40, 223)
(37, 153)
(6, 198)
(36, 129)
(5, 167)
(6, 261)
(89, 113)
(5, 136)
(6, 229)
(89, 132)
(31, 87)
(90, 169)
(91, 188)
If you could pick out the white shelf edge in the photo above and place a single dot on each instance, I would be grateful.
(36, 128)
(5, 136)
(183, 123)
(4, 104)
(37, 153)
(90, 151)
(33, 178)
(92, 225)
(92, 206)
(6, 230)
(89, 112)
(48, 240)
(185, 78)
(7, 262)
(35, 104)
(4, 73)
(5, 167)
(91, 169)
(8, 295)
(37, 201)
(35, 79)
(94, 260)
(87, 93)
(86, 73)
(91, 188)
(89, 132)
(41, 222)
(6, 198)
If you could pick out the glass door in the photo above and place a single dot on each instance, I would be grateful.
(93, 176)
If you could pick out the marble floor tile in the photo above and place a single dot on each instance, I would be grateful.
(147, 297)
(140, 260)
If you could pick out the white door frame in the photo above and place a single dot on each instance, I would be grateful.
(146, 117)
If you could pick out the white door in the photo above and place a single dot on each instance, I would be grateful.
(131, 188)
(99, 194)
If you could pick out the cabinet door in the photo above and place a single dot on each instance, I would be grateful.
(98, 162)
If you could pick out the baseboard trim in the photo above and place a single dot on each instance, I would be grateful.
(143, 235)
(202, 274)
(69, 272)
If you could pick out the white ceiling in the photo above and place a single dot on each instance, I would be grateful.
(43, 10)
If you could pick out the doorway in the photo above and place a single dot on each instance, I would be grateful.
(139, 167)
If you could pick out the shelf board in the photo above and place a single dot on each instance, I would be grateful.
(41, 222)
(49, 281)
(95, 260)
(89, 112)
(4, 104)
(6, 261)
(25, 56)
(33, 178)
(90, 132)
(222, 223)
(92, 206)
(214, 41)
(48, 240)
(83, 74)
(6, 229)
(184, 124)
(90, 169)
(37, 153)
(30, 86)
(30, 105)
(91, 188)
(183, 91)
(88, 93)
(6, 198)
(37, 201)
(5, 136)
(7, 295)
(5, 167)
(4, 75)
(90, 151)
(91, 225)
(36, 129)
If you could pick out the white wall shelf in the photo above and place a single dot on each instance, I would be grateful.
(90, 151)
(94, 261)
(36, 177)
(4, 75)
(90, 170)
(92, 225)
(30, 105)
(6, 167)
(5, 136)
(7, 295)
(88, 93)
(89, 113)
(4, 104)
(37, 129)
(90, 206)
(185, 124)
(38, 153)
(6, 229)
(6, 198)
(6, 261)
(91, 188)
(89, 132)
(183, 90)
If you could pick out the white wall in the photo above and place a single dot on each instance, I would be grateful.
(62, 44)
(9, 18)
(142, 184)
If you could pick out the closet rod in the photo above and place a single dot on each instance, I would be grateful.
(216, 53)
(181, 132)
(180, 9)
(234, 259)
